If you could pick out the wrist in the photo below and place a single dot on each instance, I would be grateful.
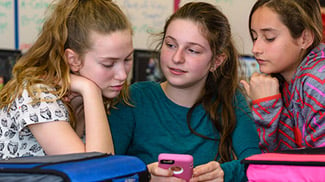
(272, 97)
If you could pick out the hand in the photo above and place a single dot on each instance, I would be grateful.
(159, 174)
(78, 86)
(208, 172)
(260, 86)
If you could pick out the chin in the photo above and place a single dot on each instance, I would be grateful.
(265, 71)
(111, 95)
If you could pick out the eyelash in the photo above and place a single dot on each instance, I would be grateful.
(128, 59)
(170, 45)
(267, 39)
(108, 66)
(192, 51)
(270, 40)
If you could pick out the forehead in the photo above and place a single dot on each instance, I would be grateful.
(186, 30)
(266, 19)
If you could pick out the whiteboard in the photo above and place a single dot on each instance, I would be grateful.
(7, 36)
(237, 12)
(31, 17)
(146, 16)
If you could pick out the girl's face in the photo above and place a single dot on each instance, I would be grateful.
(109, 61)
(185, 55)
(273, 46)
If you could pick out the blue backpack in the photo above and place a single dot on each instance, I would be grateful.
(77, 167)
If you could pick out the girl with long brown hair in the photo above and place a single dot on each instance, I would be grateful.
(198, 110)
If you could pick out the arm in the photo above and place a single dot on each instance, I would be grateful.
(312, 115)
(267, 106)
(59, 137)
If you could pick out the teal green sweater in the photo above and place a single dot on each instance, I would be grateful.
(157, 125)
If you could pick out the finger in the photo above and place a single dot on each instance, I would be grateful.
(157, 171)
(245, 85)
(210, 171)
(206, 168)
(256, 74)
(216, 175)
(166, 179)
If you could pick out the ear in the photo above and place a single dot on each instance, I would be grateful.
(218, 61)
(306, 39)
(73, 60)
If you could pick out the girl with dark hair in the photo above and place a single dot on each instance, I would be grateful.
(289, 95)
(198, 110)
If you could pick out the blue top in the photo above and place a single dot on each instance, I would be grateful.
(157, 125)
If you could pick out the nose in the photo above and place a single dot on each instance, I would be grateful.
(121, 72)
(178, 56)
(257, 48)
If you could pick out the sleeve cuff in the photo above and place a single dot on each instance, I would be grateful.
(277, 96)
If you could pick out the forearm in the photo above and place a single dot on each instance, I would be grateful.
(98, 135)
(267, 112)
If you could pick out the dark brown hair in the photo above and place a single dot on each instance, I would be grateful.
(221, 85)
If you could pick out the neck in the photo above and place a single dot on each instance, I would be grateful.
(182, 96)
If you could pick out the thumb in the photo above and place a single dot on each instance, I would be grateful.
(245, 85)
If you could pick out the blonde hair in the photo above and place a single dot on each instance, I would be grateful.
(68, 26)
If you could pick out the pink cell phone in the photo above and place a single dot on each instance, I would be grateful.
(180, 164)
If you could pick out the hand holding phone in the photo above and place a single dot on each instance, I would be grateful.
(180, 164)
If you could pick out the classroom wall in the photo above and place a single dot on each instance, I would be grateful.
(20, 24)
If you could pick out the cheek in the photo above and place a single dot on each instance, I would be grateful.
(100, 76)
(164, 54)
(128, 67)
(164, 57)
(201, 65)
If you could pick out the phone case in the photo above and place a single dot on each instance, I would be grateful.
(180, 164)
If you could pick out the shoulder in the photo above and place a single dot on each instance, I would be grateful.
(144, 85)
(239, 97)
(313, 63)
(144, 88)
(145, 92)
(312, 68)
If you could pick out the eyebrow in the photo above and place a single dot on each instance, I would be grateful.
(115, 58)
(192, 43)
(265, 30)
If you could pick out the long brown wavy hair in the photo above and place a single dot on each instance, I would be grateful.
(68, 26)
(297, 16)
(221, 85)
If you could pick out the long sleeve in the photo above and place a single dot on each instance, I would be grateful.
(296, 118)
(273, 123)
(312, 102)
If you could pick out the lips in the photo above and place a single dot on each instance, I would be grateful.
(177, 71)
(117, 87)
(260, 61)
